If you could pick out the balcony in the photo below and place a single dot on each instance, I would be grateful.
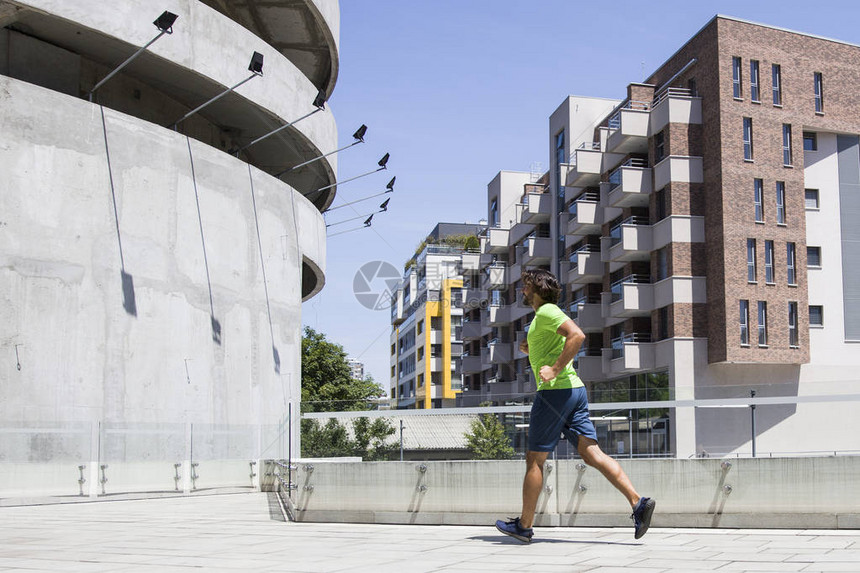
(586, 216)
(590, 368)
(515, 272)
(586, 266)
(585, 165)
(495, 276)
(631, 296)
(629, 353)
(537, 251)
(536, 208)
(496, 241)
(629, 240)
(500, 352)
(675, 105)
(474, 297)
(499, 315)
(678, 229)
(630, 185)
(677, 169)
(587, 314)
(629, 129)
(475, 261)
(674, 290)
(471, 364)
(520, 310)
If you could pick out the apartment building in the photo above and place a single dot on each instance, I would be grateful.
(702, 228)
(427, 320)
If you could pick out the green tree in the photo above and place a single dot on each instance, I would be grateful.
(326, 382)
(487, 440)
(327, 386)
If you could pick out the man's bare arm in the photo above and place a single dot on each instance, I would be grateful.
(573, 339)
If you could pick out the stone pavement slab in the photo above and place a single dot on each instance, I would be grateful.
(247, 532)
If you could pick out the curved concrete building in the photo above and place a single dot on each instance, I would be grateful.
(153, 263)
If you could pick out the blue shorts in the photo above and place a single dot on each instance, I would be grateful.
(557, 412)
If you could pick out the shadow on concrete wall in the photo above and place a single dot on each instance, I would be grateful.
(128, 300)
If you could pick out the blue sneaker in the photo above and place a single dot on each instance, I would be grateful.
(514, 529)
(642, 515)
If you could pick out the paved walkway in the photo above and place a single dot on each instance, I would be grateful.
(243, 532)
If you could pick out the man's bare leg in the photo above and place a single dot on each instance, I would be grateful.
(532, 484)
(611, 469)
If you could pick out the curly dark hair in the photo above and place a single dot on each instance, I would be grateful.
(544, 283)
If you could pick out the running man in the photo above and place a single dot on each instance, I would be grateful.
(561, 406)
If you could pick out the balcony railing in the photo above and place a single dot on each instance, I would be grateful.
(617, 288)
(618, 343)
(615, 176)
(670, 92)
(615, 232)
(615, 120)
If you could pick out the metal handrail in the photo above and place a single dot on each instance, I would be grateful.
(670, 92)
(589, 145)
(615, 120)
(632, 279)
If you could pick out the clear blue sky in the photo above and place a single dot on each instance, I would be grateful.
(458, 90)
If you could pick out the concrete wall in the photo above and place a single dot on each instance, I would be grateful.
(771, 493)
(153, 280)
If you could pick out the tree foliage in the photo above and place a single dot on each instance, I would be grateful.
(487, 440)
(327, 386)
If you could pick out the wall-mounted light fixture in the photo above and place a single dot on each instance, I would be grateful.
(164, 23)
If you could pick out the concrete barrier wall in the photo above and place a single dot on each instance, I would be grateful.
(114, 261)
(756, 493)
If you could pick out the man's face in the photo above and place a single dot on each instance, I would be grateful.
(528, 294)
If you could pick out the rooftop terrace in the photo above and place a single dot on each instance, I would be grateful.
(247, 532)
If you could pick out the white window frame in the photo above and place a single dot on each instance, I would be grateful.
(762, 323)
(793, 331)
(769, 274)
(776, 78)
(751, 266)
(786, 144)
(780, 203)
(737, 78)
(748, 139)
(758, 199)
(791, 263)
(755, 92)
(818, 81)
(744, 308)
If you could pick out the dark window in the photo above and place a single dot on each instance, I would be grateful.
(748, 141)
(745, 322)
(664, 323)
(758, 192)
(790, 257)
(792, 325)
(786, 144)
(736, 77)
(659, 147)
(780, 202)
(768, 262)
(819, 92)
(776, 77)
(751, 260)
(810, 141)
(816, 315)
(813, 257)
(754, 91)
(762, 323)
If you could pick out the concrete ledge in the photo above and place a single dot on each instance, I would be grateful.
(700, 493)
